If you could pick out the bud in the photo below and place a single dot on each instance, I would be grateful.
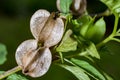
(35, 61)
(46, 28)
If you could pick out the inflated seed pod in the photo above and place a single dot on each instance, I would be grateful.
(77, 7)
(38, 21)
(35, 61)
(50, 31)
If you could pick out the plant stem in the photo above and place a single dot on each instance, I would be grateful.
(105, 13)
(115, 39)
(9, 72)
(115, 25)
(111, 35)
(61, 57)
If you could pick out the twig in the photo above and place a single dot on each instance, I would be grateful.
(9, 72)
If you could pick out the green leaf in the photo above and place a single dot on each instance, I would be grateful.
(83, 19)
(65, 5)
(96, 32)
(92, 71)
(107, 76)
(3, 53)
(91, 50)
(113, 5)
(67, 43)
(16, 77)
(2, 72)
(86, 22)
(78, 72)
(80, 25)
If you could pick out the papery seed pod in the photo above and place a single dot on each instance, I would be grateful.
(77, 7)
(23, 48)
(51, 30)
(38, 21)
(34, 61)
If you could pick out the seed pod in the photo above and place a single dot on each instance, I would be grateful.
(38, 21)
(50, 31)
(34, 61)
(77, 7)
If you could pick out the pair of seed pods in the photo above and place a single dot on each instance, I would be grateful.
(34, 55)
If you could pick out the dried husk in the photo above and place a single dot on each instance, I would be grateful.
(34, 58)
(77, 7)
(35, 61)
(38, 21)
(50, 31)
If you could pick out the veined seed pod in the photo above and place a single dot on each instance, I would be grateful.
(35, 61)
(47, 28)
(77, 7)
(38, 21)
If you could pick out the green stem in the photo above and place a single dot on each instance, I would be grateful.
(115, 39)
(105, 13)
(115, 25)
(9, 72)
(112, 34)
(61, 57)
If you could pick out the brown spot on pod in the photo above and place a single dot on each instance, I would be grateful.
(35, 61)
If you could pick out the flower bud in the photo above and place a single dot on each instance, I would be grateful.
(47, 28)
(35, 61)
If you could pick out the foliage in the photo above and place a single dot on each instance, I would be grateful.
(3, 53)
(84, 37)
(16, 77)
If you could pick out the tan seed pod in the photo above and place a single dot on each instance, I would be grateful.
(77, 7)
(34, 61)
(50, 32)
(38, 21)
(23, 48)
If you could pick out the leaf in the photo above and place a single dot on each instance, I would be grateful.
(113, 5)
(107, 76)
(3, 53)
(92, 71)
(96, 32)
(91, 49)
(85, 22)
(84, 19)
(65, 5)
(78, 72)
(80, 24)
(1, 72)
(68, 43)
(16, 77)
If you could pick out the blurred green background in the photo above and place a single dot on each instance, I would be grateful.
(14, 28)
